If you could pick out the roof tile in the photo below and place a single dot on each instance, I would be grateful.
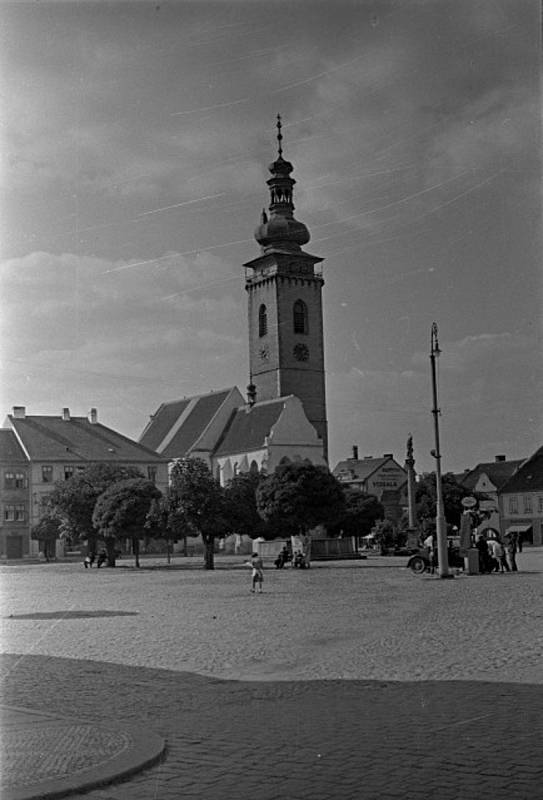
(55, 439)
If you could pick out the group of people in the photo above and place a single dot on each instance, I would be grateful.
(100, 559)
(285, 556)
(495, 556)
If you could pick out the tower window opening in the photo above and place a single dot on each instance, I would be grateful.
(262, 320)
(300, 317)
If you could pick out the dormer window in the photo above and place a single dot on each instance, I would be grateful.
(262, 321)
(300, 317)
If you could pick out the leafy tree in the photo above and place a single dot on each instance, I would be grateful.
(197, 502)
(360, 515)
(47, 531)
(385, 535)
(121, 511)
(164, 521)
(298, 497)
(241, 510)
(453, 493)
(74, 500)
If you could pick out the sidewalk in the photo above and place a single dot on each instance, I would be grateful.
(46, 756)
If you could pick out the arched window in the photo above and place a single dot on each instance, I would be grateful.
(262, 321)
(300, 317)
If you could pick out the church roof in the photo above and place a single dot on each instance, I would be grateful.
(48, 438)
(249, 426)
(498, 472)
(176, 427)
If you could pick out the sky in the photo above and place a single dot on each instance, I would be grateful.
(135, 142)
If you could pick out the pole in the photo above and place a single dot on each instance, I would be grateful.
(441, 530)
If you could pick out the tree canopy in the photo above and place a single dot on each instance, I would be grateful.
(453, 493)
(74, 500)
(242, 513)
(360, 514)
(197, 501)
(299, 496)
(121, 511)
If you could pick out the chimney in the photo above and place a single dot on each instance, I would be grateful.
(388, 455)
(66, 414)
(251, 394)
(93, 416)
(19, 412)
(500, 458)
(355, 452)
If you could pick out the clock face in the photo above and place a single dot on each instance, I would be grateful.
(301, 352)
(264, 353)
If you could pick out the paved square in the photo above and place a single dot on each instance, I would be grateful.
(351, 680)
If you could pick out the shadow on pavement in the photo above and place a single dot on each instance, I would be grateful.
(313, 739)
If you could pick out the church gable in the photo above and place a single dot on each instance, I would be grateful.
(293, 428)
(265, 434)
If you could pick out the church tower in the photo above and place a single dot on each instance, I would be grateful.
(286, 346)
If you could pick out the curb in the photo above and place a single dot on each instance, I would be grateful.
(135, 750)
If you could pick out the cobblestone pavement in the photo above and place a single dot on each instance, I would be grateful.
(443, 697)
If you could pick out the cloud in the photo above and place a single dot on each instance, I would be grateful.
(480, 348)
(52, 301)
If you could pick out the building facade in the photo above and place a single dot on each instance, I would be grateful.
(371, 475)
(36, 451)
(15, 505)
(521, 501)
(488, 478)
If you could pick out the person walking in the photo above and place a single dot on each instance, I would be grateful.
(511, 551)
(430, 543)
(257, 575)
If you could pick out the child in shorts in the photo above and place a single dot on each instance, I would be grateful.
(258, 572)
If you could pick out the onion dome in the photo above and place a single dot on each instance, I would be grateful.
(280, 230)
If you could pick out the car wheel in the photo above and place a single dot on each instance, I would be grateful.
(417, 565)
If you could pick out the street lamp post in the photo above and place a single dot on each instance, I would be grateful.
(441, 530)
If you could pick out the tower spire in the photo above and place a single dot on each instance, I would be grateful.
(279, 136)
(280, 229)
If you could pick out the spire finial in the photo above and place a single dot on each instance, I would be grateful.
(279, 135)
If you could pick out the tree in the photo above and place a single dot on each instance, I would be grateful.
(385, 535)
(298, 497)
(360, 515)
(197, 501)
(47, 531)
(453, 493)
(241, 509)
(121, 511)
(164, 521)
(74, 500)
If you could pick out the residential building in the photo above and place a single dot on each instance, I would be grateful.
(15, 506)
(36, 451)
(382, 477)
(488, 478)
(370, 474)
(521, 500)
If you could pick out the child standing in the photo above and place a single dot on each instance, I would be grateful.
(258, 572)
